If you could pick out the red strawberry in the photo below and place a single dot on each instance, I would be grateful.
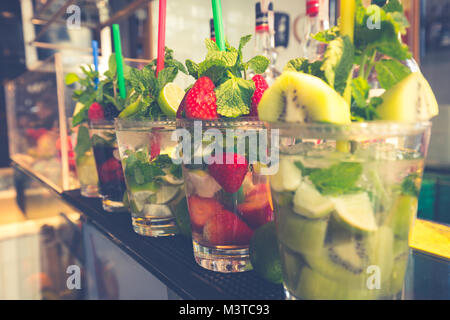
(201, 209)
(229, 171)
(200, 101)
(155, 144)
(226, 228)
(261, 86)
(96, 112)
(110, 171)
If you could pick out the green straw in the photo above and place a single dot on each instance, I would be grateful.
(218, 24)
(119, 61)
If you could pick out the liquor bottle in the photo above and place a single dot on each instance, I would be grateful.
(264, 38)
(212, 33)
(316, 19)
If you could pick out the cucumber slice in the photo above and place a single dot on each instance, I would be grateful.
(288, 177)
(355, 211)
(310, 203)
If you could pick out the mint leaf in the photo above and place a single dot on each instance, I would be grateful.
(303, 65)
(259, 64)
(360, 91)
(166, 75)
(234, 97)
(390, 72)
(337, 179)
(409, 186)
(338, 63)
(211, 45)
(326, 36)
(81, 116)
(228, 58)
(192, 68)
(393, 6)
(83, 143)
(243, 41)
(213, 69)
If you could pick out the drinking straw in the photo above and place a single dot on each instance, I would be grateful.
(347, 28)
(119, 61)
(95, 55)
(161, 36)
(218, 24)
(347, 23)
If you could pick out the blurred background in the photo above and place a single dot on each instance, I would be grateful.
(41, 38)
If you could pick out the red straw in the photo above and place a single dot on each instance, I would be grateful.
(161, 36)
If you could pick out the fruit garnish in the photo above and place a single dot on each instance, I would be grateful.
(256, 213)
(201, 209)
(299, 97)
(170, 98)
(203, 184)
(260, 87)
(410, 100)
(96, 112)
(309, 203)
(200, 101)
(229, 170)
(264, 253)
(225, 228)
(228, 72)
(355, 211)
(110, 171)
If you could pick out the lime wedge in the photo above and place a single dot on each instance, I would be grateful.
(170, 98)
(355, 211)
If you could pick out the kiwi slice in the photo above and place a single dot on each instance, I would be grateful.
(312, 285)
(310, 203)
(299, 97)
(300, 234)
(410, 100)
(355, 212)
(287, 178)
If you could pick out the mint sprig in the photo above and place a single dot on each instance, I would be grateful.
(228, 71)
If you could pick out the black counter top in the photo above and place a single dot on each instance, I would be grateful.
(171, 260)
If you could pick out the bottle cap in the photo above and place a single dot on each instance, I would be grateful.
(312, 8)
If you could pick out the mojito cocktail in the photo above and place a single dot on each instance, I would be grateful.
(154, 181)
(343, 218)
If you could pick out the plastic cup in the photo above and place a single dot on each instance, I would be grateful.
(84, 161)
(225, 205)
(154, 182)
(109, 169)
(343, 218)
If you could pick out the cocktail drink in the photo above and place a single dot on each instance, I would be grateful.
(111, 181)
(351, 160)
(227, 196)
(343, 218)
(85, 162)
(154, 181)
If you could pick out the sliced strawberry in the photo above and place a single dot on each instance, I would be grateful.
(260, 87)
(155, 144)
(229, 171)
(96, 112)
(201, 209)
(200, 101)
(226, 228)
(257, 217)
(110, 171)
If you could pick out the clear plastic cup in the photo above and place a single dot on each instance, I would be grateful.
(226, 204)
(111, 181)
(154, 182)
(345, 199)
(84, 161)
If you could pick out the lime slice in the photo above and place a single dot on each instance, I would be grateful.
(78, 108)
(170, 98)
(355, 211)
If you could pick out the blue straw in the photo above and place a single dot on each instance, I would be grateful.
(95, 54)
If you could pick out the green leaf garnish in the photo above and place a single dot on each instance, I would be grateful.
(234, 97)
(337, 179)
(390, 72)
